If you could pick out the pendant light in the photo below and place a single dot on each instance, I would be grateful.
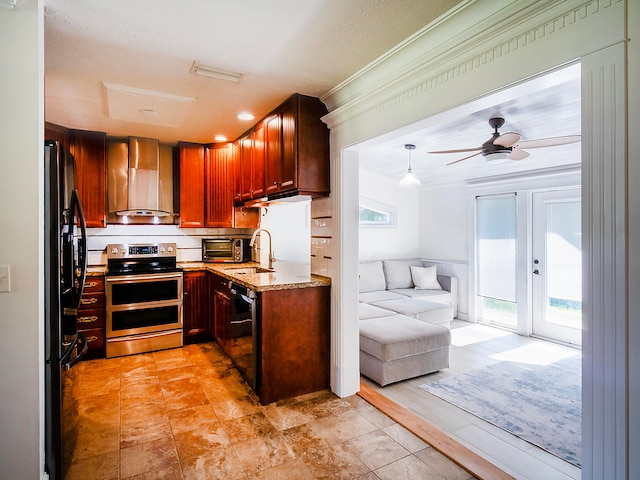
(409, 180)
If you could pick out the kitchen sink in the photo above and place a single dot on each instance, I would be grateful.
(247, 270)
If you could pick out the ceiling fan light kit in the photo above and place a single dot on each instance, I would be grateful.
(410, 179)
(509, 146)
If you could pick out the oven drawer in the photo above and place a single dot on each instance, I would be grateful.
(148, 319)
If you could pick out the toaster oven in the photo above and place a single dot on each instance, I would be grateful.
(226, 249)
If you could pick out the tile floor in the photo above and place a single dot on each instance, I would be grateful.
(186, 413)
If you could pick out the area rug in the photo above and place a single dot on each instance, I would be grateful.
(538, 403)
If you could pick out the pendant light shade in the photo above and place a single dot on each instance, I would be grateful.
(410, 179)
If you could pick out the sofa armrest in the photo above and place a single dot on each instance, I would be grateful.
(450, 284)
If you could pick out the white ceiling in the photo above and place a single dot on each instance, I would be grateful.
(107, 62)
(280, 46)
(541, 107)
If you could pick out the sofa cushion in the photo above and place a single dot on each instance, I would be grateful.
(389, 338)
(439, 296)
(420, 308)
(425, 278)
(398, 274)
(371, 277)
(366, 310)
(378, 296)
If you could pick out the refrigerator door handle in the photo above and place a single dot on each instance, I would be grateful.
(79, 342)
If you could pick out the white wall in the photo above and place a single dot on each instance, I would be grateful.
(400, 240)
(21, 194)
(444, 223)
(289, 225)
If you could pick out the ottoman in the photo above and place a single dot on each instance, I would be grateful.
(417, 307)
(398, 347)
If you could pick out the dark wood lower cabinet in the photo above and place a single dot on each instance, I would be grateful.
(195, 308)
(294, 327)
(91, 316)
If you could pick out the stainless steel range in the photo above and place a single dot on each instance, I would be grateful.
(143, 290)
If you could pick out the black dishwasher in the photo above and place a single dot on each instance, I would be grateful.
(243, 345)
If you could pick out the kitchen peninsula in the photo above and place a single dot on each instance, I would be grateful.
(281, 343)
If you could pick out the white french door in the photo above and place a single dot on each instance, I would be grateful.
(556, 269)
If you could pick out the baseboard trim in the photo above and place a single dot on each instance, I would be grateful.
(456, 452)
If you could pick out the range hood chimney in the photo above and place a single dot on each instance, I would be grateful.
(140, 178)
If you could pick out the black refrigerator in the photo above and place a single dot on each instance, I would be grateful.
(65, 257)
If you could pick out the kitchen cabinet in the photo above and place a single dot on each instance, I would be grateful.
(297, 158)
(192, 185)
(219, 184)
(91, 316)
(57, 134)
(195, 308)
(294, 342)
(250, 171)
(90, 152)
(221, 315)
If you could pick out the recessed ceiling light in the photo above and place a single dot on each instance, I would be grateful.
(213, 72)
(220, 138)
(245, 116)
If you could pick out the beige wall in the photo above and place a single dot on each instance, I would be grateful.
(21, 316)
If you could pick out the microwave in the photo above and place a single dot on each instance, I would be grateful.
(226, 249)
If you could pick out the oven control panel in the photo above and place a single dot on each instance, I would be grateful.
(141, 250)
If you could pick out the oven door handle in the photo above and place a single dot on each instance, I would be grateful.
(144, 278)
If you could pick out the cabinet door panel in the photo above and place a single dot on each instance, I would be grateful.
(219, 185)
(195, 311)
(258, 162)
(90, 152)
(192, 172)
(273, 161)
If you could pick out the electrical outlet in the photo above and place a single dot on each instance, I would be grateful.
(5, 278)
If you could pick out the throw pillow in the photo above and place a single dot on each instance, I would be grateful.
(425, 278)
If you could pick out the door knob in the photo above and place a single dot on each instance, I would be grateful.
(535, 262)
(536, 272)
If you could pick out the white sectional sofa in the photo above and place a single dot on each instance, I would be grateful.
(405, 310)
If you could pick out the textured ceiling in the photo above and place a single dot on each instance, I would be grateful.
(280, 46)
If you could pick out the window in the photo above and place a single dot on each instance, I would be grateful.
(376, 214)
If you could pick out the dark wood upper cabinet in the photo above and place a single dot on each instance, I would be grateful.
(219, 185)
(192, 185)
(57, 134)
(297, 159)
(90, 152)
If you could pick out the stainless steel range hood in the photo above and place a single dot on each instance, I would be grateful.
(140, 178)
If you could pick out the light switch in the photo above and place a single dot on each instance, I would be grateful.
(5, 278)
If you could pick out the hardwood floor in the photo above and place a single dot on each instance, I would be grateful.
(475, 346)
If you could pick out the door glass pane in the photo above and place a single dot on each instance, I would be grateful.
(564, 264)
(496, 258)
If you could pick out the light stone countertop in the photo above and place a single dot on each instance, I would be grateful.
(285, 275)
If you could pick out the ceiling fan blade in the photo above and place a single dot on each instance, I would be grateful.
(507, 139)
(459, 150)
(518, 154)
(461, 159)
(549, 142)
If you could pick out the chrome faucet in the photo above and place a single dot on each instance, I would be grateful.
(253, 240)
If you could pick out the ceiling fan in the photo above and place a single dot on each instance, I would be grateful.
(508, 145)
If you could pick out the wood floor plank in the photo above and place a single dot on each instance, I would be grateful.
(467, 459)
